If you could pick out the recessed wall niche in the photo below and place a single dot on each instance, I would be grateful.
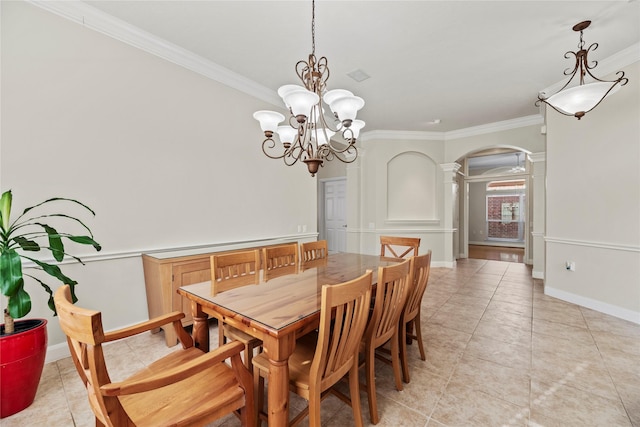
(411, 187)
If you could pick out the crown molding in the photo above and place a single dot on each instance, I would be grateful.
(92, 18)
(520, 122)
(405, 135)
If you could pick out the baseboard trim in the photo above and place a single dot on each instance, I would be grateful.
(56, 352)
(445, 264)
(612, 310)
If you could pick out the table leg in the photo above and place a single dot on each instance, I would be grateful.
(278, 351)
(200, 332)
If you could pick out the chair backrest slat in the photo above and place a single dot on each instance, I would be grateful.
(280, 260)
(311, 251)
(234, 269)
(420, 268)
(390, 296)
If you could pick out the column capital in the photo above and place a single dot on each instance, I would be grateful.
(450, 167)
(538, 157)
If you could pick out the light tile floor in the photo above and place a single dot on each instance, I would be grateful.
(499, 353)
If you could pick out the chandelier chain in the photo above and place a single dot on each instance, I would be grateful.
(313, 27)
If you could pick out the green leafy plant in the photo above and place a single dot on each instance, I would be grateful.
(26, 234)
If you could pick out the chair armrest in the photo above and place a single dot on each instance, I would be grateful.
(176, 374)
(144, 326)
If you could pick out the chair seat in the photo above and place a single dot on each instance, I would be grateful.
(299, 361)
(192, 401)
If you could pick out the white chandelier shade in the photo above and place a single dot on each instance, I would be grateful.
(287, 134)
(300, 101)
(269, 120)
(347, 107)
(284, 90)
(356, 126)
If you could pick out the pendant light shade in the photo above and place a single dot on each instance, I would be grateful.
(581, 98)
(269, 120)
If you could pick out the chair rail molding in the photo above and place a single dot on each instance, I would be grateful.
(599, 245)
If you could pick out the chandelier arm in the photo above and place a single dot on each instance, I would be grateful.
(591, 48)
(270, 144)
(302, 69)
(573, 72)
(341, 150)
(290, 162)
(349, 161)
(334, 154)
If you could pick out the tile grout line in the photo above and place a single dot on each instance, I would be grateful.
(606, 365)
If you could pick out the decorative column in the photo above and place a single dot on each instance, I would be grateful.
(538, 178)
(449, 197)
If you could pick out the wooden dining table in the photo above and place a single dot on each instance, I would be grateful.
(277, 312)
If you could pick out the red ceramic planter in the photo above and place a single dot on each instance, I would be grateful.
(21, 361)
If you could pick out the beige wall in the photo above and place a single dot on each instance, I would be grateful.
(593, 204)
(166, 157)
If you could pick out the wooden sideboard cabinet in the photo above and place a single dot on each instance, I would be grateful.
(163, 276)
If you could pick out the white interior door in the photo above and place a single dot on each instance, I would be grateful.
(335, 214)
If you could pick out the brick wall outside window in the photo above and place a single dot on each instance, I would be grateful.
(499, 226)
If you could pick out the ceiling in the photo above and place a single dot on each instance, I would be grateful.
(465, 63)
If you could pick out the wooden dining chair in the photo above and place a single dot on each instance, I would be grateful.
(280, 260)
(312, 251)
(383, 326)
(399, 247)
(229, 271)
(410, 318)
(323, 358)
(186, 387)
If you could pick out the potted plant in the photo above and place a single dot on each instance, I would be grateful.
(23, 343)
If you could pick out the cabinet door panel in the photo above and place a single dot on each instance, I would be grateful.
(187, 274)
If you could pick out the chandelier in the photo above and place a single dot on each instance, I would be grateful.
(307, 135)
(579, 100)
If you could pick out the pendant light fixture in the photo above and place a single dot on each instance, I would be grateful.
(307, 135)
(579, 100)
